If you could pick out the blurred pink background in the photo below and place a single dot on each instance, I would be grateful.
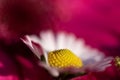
(96, 21)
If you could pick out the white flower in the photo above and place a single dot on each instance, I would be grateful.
(90, 59)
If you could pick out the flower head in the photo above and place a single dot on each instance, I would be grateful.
(63, 52)
(117, 61)
(63, 58)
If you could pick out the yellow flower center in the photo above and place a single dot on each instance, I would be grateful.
(64, 58)
(117, 61)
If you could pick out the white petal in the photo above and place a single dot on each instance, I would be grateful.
(89, 54)
(48, 40)
(51, 70)
(35, 49)
(102, 68)
(73, 44)
(79, 47)
(100, 65)
(61, 40)
(70, 41)
(27, 41)
(35, 38)
(104, 63)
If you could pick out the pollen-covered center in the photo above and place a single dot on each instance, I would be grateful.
(64, 58)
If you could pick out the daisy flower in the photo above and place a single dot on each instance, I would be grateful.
(62, 52)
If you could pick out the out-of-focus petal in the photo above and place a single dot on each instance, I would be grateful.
(61, 39)
(48, 40)
(99, 65)
(35, 47)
